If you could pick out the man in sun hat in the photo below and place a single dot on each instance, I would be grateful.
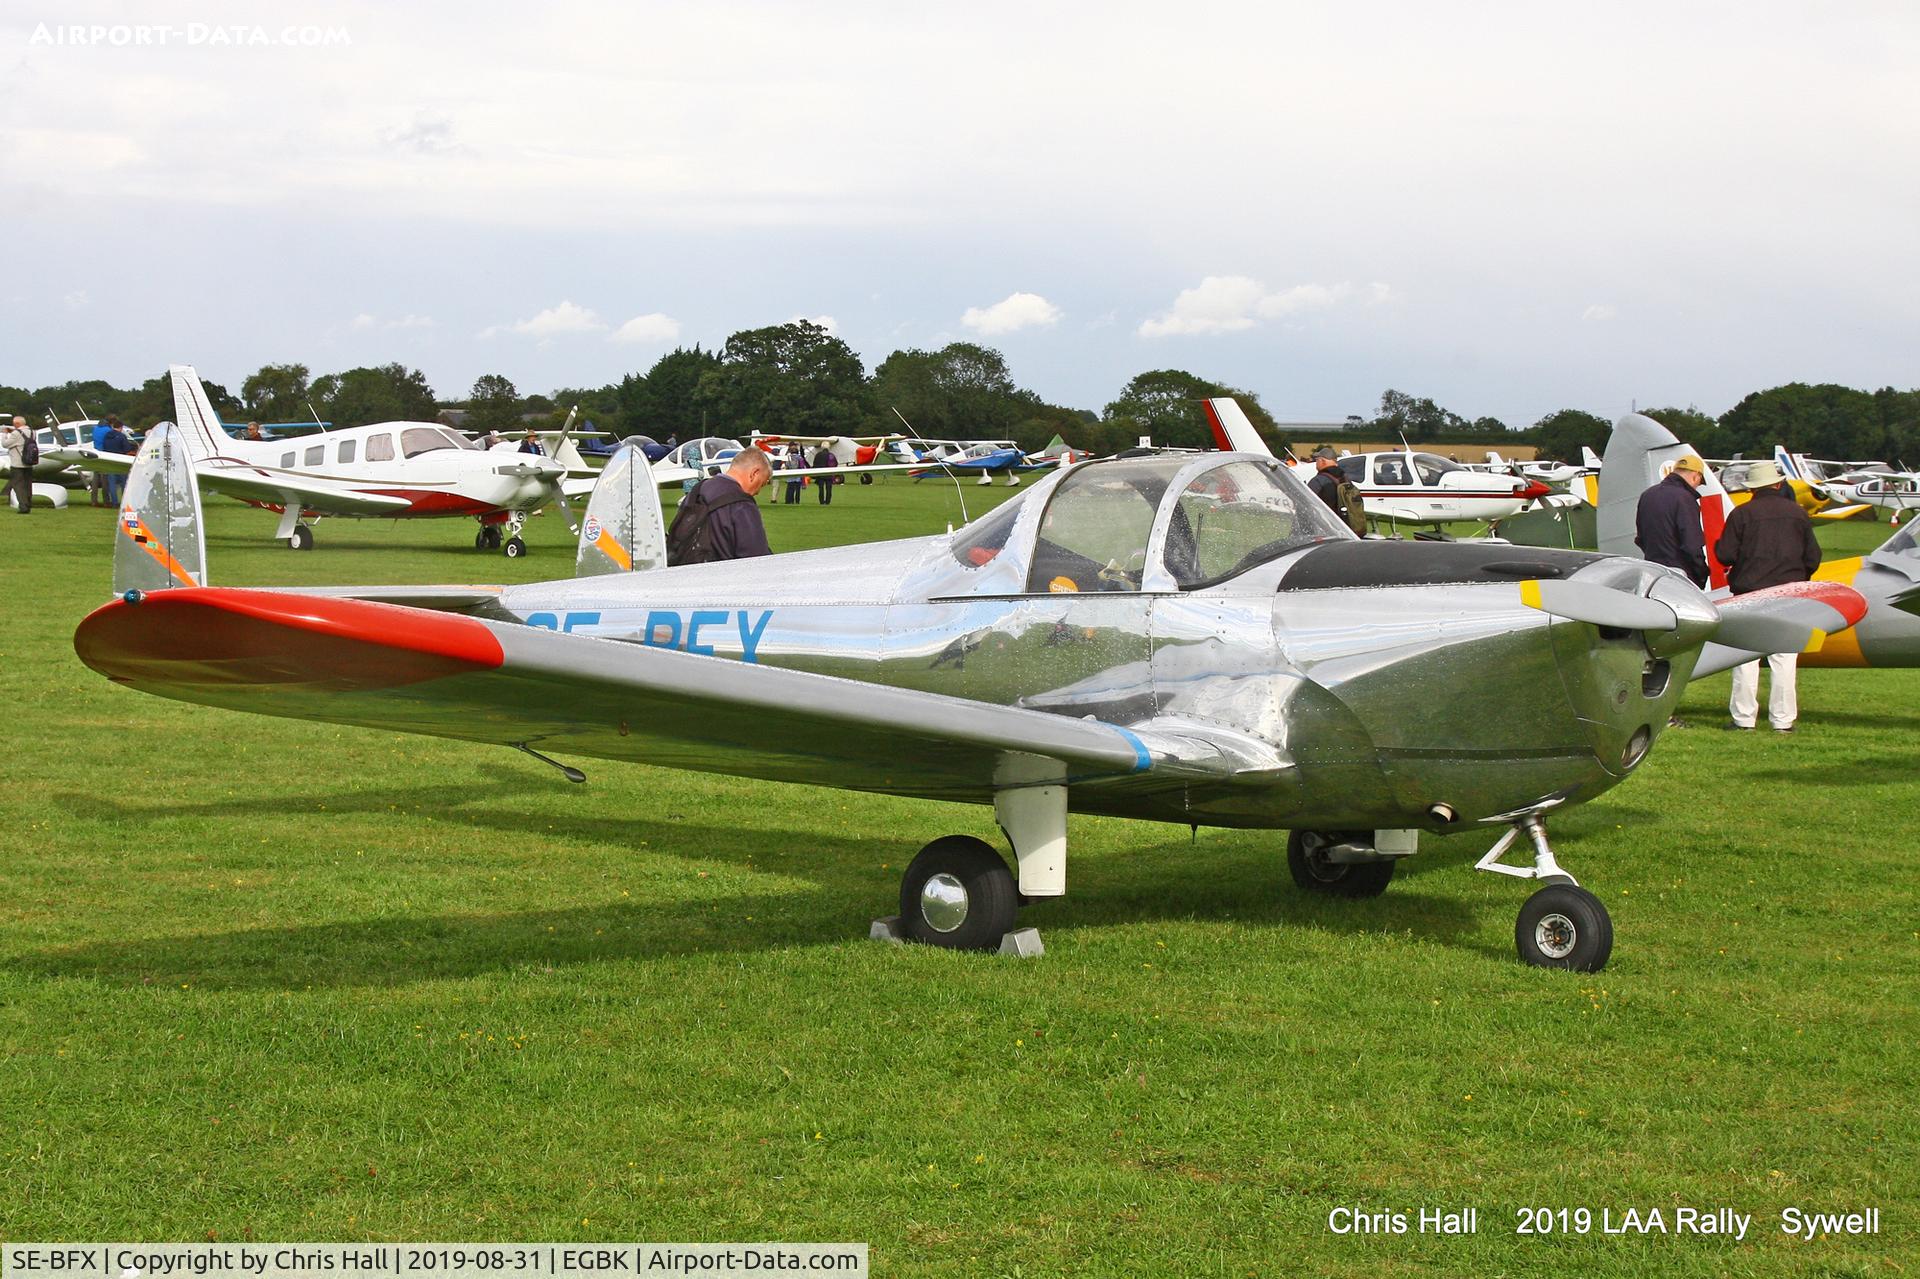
(1768, 542)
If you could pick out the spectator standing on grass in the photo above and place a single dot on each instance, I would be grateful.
(97, 480)
(1666, 524)
(118, 441)
(719, 520)
(825, 457)
(796, 461)
(1768, 542)
(19, 474)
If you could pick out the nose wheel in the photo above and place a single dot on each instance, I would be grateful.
(1563, 925)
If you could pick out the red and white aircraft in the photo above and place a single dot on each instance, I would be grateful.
(388, 470)
(1402, 486)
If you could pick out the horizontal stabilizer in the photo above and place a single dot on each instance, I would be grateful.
(1842, 512)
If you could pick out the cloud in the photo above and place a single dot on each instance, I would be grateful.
(1014, 312)
(1230, 303)
(365, 321)
(555, 321)
(653, 327)
(1598, 312)
(76, 300)
(428, 135)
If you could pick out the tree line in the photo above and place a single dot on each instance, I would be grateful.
(799, 379)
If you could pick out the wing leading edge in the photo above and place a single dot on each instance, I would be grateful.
(410, 670)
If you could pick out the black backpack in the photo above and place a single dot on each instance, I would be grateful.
(30, 451)
(689, 541)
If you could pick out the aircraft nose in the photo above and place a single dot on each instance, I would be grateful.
(1535, 490)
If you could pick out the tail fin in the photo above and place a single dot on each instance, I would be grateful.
(1641, 453)
(624, 531)
(1785, 461)
(1232, 430)
(200, 431)
(158, 541)
(1588, 458)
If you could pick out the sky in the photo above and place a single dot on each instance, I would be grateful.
(1509, 208)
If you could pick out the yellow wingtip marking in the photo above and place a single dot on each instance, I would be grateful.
(1813, 645)
(1530, 593)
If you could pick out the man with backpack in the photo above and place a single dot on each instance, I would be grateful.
(1331, 485)
(719, 520)
(23, 454)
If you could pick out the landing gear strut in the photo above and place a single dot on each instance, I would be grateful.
(1563, 925)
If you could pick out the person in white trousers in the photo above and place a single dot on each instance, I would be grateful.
(1768, 542)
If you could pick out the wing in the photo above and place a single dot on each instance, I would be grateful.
(406, 669)
(87, 458)
(1793, 618)
(278, 488)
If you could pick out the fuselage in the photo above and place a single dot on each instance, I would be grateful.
(435, 470)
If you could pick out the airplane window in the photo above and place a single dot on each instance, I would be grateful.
(416, 440)
(379, 448)
(317, 455)
(1239, 515)
(1355, 466)
(347, 450)
(286, 459)
(1390, 470)
(986, 537)
(1094, 534)
(1431, 468)
(459, 441)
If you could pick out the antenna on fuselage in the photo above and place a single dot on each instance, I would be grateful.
(316, 419)
(953, 475)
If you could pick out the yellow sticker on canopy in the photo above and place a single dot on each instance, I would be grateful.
(1063, 586)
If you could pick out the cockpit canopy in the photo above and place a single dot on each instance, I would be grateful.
(1151, 523)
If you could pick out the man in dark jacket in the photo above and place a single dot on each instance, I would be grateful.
(1328, 478)
(1667, 522)
(719, 520)
(824, 483)
(1768, 542)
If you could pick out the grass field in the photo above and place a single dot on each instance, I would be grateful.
(276, 980)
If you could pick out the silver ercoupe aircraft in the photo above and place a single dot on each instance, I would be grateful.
(1190, 639)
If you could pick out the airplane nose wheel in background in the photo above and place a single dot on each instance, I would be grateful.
(301, 539)
(1311, 859)
(958, 894)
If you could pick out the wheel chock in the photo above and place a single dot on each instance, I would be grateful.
(1022, 943)
(889, 930)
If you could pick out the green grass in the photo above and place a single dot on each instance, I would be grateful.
(284, 980)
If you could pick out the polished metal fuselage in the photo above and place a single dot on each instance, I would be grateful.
(1345, 706)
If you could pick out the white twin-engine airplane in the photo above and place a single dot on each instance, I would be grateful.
(389, 470)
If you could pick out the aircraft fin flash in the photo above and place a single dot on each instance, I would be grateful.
(1233, 430)
(624, 531)
(158, 543)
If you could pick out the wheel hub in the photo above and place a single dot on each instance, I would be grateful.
(943, 903)
(1555, 935)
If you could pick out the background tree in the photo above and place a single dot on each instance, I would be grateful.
(153, 402)
(1562, 434)
(664, 403)
(962, 391)
(1691, 426)
(1821, 421)
(390, 393)
(1417, 418)
(494, 405)
(794, 378)
(1165, 404)
(276, 393)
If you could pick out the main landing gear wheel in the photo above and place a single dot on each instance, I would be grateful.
(1307, 860)
(1564, 926)
(866, 479)
(301, 539)
(958, 893)
(487, 539)
(515, 548)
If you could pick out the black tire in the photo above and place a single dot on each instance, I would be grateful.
(480, 540)
(975, 879)
(866, 479)
(1314, 873)
(515, 548)
(301, 539)
(1564, 926)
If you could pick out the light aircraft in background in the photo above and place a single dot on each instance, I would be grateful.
(986, 460)
(388, 470)
(1192, 639)
(1872, 484)
(1641, 452)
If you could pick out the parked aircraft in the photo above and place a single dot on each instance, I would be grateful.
(1191, 639)
(389, 470)
(985, 459)
(1641, 452)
